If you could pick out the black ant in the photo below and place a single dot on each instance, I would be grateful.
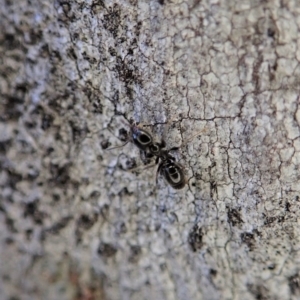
(167, 167)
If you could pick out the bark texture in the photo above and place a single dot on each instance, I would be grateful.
(219, 79)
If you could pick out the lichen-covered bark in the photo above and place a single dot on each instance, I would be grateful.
(219, 79)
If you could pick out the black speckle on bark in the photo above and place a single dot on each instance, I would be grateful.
(248, 239)
(294, 284)
(234, 217)
(259, 292)
(106, 250)
(195, 238)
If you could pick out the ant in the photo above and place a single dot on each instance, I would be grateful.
(167, 167)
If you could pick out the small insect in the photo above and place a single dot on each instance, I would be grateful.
(167, 165)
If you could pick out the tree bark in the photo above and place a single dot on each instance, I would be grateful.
(219, 80)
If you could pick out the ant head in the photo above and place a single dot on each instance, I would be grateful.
(141, 138)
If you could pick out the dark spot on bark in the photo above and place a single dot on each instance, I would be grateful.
(10, 41)
(97, 106)
(173, 217)
(121, 228)
(47, 121)
(161, 2)
(13, 298)
(106, 250)
(157, 226)
(4, 146)
(33, 173)
(294, 284)
(60, 175)
(162, 208)
(50, 150)
(55, 55)
(91, 60)
(31, 210)
(280, 219)
(112, 51)
(56, 197)
(112, 20)
(256, 73)
(124, 192)
(58, 226)
(71, 53)
(78, 131)
(195, 238)
(271, 32)
(97, 6)
(272, 267)
(213, 272)
(130, 164)
(269, 220)
(86, 222)
(2, 209)
(67, 15)
(213, 186)
(95, 194)
(234, 217)
(248, 239)
(66, 7)
(135, 252)
(259, 292)
(287, 206)
(105, 144)
(9, 241)
(10, 224)
(13, 178)
(13, 107)
(35, 36)
(123, 135)
(30, 124)
(28, 234)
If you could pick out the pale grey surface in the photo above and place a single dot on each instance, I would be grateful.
(222, 80)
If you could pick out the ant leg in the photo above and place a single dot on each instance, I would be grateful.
(117, 146)
(162, 144)
(158, 171)
(145, 157)
(157, 160)
(192, 137)
(140, 167)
